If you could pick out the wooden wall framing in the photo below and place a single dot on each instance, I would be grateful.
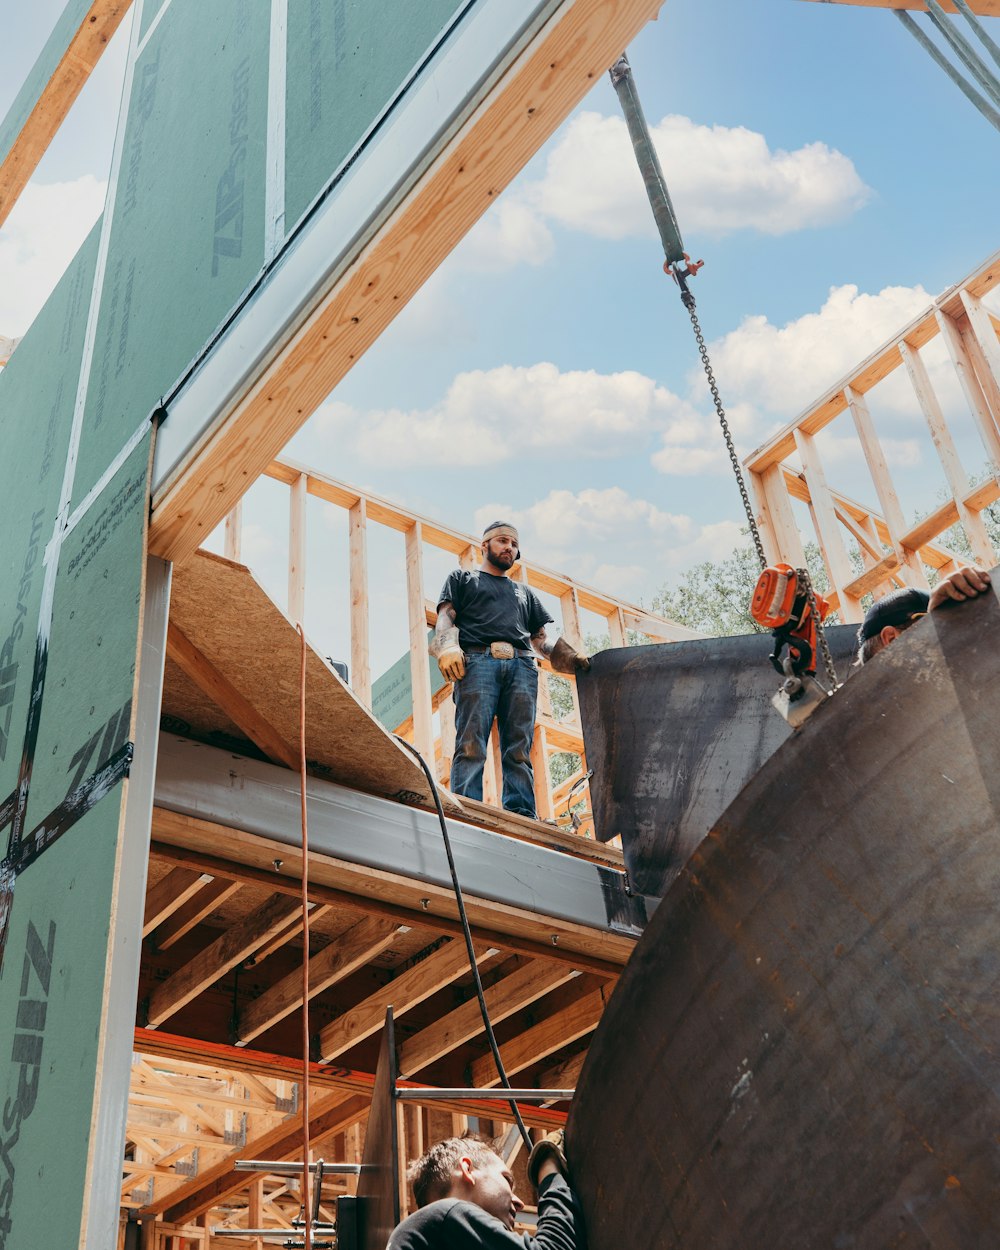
(893, 552)
(552, 735)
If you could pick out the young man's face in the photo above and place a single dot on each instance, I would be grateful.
(501, 550)
(493, 1189)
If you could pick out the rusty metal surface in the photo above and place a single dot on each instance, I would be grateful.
(804, 1050)
(673, 732)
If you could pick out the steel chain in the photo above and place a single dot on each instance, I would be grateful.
(824, 646)
(688, 301)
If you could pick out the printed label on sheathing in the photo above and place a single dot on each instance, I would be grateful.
(26, 1061)
(8, 665)
(230, 205)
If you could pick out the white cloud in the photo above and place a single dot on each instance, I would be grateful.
(781, 369)
(39, 239)
(511, 233)
(612, 539)
(721, 179)
(513, 409)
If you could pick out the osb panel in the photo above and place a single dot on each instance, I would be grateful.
(227, 615)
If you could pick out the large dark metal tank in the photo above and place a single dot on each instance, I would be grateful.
(674, 732)
(804, 1049)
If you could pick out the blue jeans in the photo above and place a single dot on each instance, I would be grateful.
(507, 691)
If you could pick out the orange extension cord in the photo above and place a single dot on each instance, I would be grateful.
(306, 1187)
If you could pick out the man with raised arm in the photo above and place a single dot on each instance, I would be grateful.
(891, 615)
(465, 1194)
(489, 630)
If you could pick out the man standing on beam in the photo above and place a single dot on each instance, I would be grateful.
(489, 630)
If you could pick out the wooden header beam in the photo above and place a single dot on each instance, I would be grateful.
(49, 91)
(548, 79)
(985, 8)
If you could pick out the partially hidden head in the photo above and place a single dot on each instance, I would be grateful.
(467, 1168)
(501, 545)
(886, 619)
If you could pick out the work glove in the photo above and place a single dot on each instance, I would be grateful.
(549, 1148)
(449, 655)
(565, 660)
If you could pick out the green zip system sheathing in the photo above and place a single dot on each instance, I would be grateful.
(238, 117)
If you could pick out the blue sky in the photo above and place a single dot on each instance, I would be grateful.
(829, 174)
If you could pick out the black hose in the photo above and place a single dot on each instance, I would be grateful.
(504, 1080)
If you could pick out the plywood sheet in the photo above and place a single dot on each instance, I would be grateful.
(243, 634)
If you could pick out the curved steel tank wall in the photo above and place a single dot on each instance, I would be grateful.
(804, 1050)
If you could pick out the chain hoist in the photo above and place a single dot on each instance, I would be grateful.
(784, 599)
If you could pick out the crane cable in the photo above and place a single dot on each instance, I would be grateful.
(679, 266)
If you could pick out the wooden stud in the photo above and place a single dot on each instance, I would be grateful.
(616, 628)
(884, 487)
(785, 537)
(420, 678)
(989, 384)
(233, 544)
(494, 764)
(216, 960)
(361, 675)
(540, 769)
(297, 548)
(446, 712)
(405, 991)
(971, 388)
(255, 1212)
(958, 481)
(835, 556)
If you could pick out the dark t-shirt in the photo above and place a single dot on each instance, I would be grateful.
(455, 1225)
(493, 609)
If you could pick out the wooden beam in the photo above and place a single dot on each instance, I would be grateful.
(210, 896)
(44, 114)
(525, 106)
(944, 444)
(873, 577)
(297, 549)
(827, 531)
(182, 839)
(169, 893)
(549, 1035)
(884, 488)
(420, 677)
(231, 948)
(361, 674)
(510, 994)
(563, 1075)
(352, 950)
(233, 540)
(221, 691)
(405, 991)
(330, 1114)
(985, 8)
(971, 388)
(772, 494)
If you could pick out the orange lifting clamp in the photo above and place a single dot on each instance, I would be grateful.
(781, 604)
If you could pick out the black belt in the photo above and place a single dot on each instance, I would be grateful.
(530, 654)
